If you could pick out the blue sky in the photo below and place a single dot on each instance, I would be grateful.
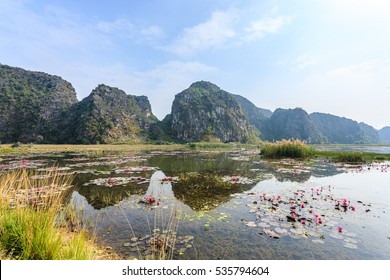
(323, 56)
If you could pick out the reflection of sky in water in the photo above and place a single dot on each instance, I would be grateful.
(157, 189)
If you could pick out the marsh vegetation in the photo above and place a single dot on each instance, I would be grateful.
(201, 203)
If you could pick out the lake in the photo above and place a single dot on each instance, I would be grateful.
(226, 205)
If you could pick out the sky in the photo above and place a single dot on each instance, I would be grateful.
(323, 56)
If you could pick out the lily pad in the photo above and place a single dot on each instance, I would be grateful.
(264, 225)
(250, 224)
(281, 231)
(271, 233)
(350, 245)
(336, 235)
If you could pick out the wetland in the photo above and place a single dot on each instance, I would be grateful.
(197, 204)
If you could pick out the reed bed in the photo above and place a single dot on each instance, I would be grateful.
(287, 149)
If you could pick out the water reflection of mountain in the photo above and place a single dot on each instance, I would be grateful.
(101, 196)
(198, 162)
(300, 174)
(206, 191)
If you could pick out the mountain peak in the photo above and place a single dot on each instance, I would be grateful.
(206, 86)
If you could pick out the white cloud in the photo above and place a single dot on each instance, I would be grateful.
(260, 28)
(368, 68)
(305, 61)
(122, 27)
(212, 33)
(121, 24)
(225, 28)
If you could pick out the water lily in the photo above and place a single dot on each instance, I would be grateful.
(112, 181)
(294, 216)
(150, 199)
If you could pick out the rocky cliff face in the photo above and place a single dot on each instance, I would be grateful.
(340, 130)
(32, 105)
(291, 124)
(204, 111)
(108, 114)
(256, 116)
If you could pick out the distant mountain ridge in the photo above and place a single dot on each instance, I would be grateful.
(384, 135)
(42, 108)
(339, 130)
(291, 124)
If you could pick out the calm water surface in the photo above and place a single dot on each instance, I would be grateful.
(230, 205)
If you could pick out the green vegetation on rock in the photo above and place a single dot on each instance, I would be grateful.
(32, 105)
(204, 112)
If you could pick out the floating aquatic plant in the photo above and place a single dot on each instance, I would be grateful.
(117, 181)
(304, 213)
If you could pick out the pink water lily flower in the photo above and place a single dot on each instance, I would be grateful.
(150, 199)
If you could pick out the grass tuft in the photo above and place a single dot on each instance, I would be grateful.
(30, 210)
(287, 149)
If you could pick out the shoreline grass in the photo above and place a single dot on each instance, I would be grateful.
(352, 157)
(64, 148)
(300, 150)
(30, 224)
